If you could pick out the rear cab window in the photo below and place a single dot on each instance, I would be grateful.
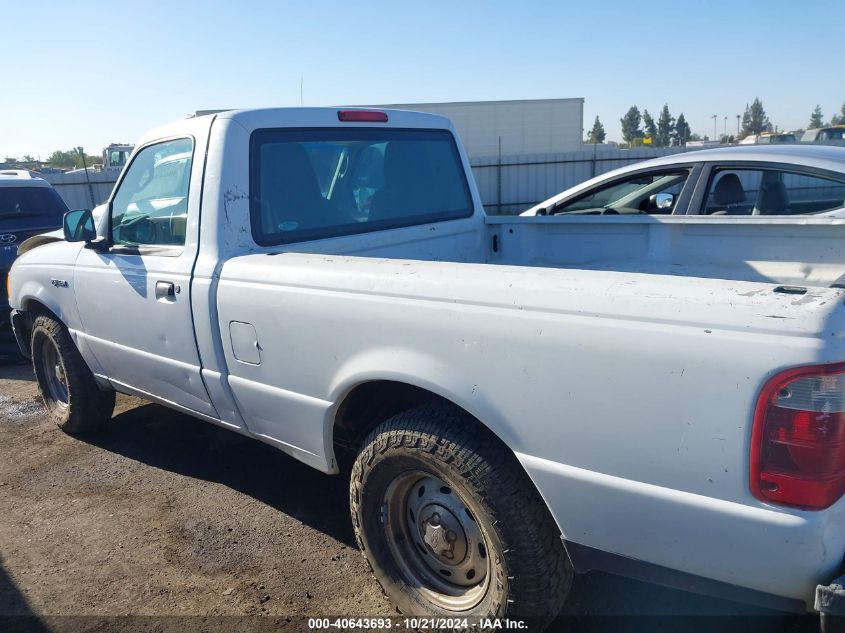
(308, 184)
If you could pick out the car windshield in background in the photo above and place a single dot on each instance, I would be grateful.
(30, 202)
(313, 184)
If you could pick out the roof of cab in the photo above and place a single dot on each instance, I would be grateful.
(299, 117)
(328, 117)
(20, 178)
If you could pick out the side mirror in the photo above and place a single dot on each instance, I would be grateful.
(79, 226)
(662, 201)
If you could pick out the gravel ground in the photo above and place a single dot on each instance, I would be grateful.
(165, 516)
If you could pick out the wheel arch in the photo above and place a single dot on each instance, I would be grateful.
(31, 308)
(371, 400)
(34, 305)
(368, 402)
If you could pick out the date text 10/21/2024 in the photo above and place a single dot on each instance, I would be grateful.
(416, 623)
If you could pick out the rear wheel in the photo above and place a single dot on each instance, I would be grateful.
(450, 523)
(73, 400)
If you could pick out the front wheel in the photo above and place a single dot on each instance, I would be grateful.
(450, 523)
(73, 400)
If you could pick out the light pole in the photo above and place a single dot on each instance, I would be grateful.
(725, 128)
(715, 133)
(737, 126)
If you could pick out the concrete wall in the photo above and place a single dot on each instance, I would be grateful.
(534, 126)
(75, 191)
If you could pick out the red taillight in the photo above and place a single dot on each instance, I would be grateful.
(362, 116)
(798, 438)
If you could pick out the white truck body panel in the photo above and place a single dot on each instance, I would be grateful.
(621, 363)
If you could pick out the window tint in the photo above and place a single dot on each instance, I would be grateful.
(311, 184)
(151, 206)
(771, 192)
(652, 193)
(41, 204)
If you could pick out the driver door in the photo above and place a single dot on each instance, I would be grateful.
(134, 298)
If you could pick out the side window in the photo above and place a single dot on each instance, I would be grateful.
(151, 206)
(771, 192)
(652, 193)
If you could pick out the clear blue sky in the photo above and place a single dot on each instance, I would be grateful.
(88, 73)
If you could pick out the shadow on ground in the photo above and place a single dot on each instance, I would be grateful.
(15, 612)
(168, 440)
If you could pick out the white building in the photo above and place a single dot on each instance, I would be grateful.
(530, 126)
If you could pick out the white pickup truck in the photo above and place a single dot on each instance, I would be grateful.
(519, 398)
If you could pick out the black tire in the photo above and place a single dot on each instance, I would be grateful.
(73, 400)
(528, 574)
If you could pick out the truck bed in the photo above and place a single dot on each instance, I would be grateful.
(790, 251)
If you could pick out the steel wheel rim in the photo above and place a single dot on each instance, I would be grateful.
(55, 378)
(436, 541)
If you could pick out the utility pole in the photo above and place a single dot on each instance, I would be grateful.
(499, 179)
(737, 125)
(725, 128)
(715, 132)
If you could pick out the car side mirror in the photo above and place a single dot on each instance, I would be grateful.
(79, 226)
(662, 201)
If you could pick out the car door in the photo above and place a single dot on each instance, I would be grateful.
(750, 188)
(134, 297)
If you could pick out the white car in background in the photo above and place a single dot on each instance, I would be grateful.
(768, 180)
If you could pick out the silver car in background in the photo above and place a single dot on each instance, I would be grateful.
(751, 180)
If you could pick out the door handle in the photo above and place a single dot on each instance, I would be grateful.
(165, 290)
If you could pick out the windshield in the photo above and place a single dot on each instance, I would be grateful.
(32, 202)
(117, 158)
(311, 184)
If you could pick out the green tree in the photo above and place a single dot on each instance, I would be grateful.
(70, 159)
(631, 125)
(10, 159)
(754, 119)
(649, 127)
(840, 118)
(816, 119)
(59, 158)
(597, 134)
(682, 131)
(665, 127)
(27, 158)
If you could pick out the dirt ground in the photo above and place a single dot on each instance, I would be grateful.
(164, 517)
